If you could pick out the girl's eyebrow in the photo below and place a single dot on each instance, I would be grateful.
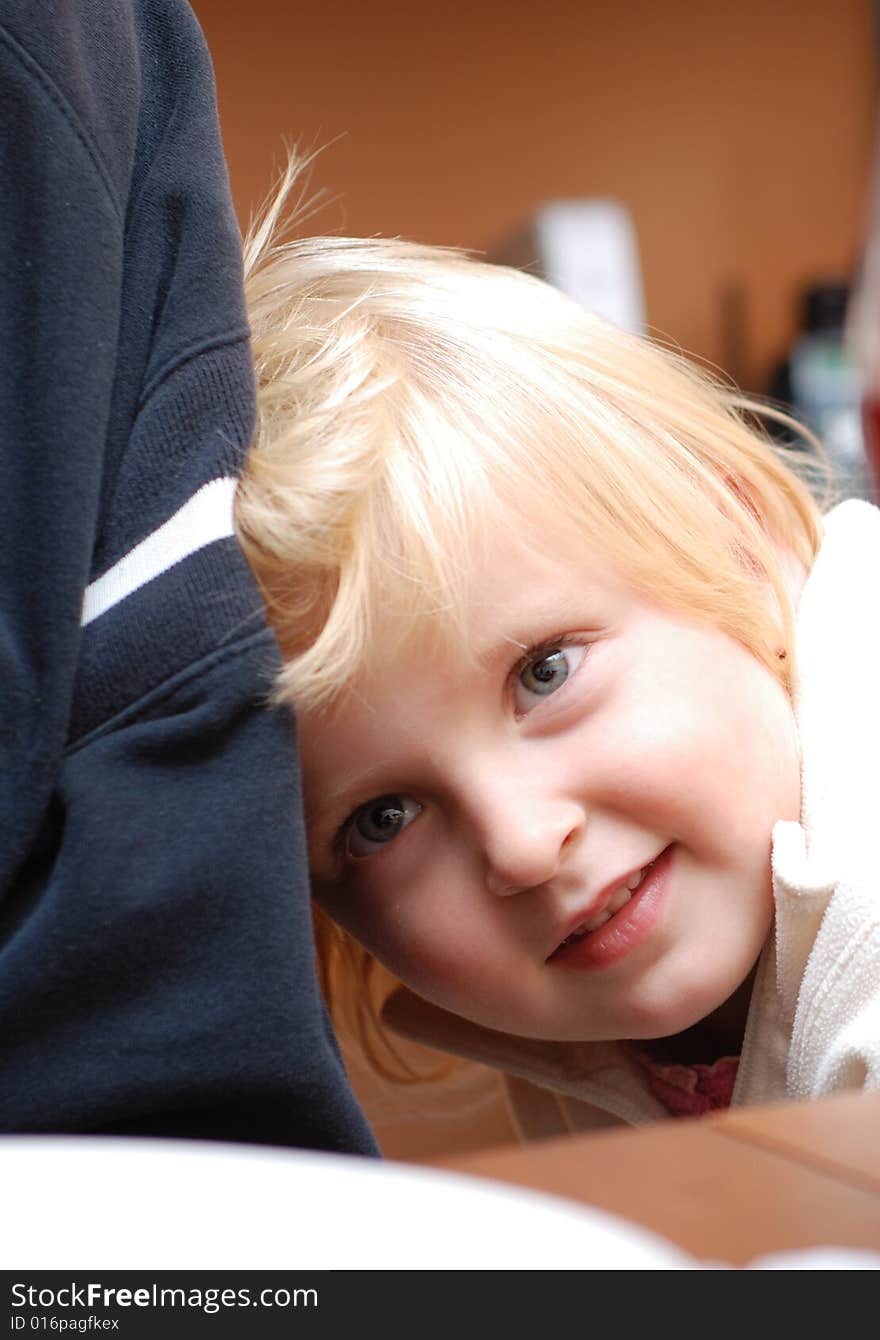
(534, 629)
(500, 651)
(535, 622)
(542, 634)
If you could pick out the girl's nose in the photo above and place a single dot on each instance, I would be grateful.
(524, 842)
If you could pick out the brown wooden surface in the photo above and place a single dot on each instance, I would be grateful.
(840, 1135)
(725, 1188)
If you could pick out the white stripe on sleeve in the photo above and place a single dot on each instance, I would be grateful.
(206, 517)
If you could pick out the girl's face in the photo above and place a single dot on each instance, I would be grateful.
(568, 837)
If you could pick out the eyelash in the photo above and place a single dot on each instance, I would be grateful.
(539, 651)
(339, 841)
(340, 838)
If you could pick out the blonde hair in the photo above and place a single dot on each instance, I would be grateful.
(409, 394)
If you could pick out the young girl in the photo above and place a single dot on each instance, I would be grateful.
(585, 686)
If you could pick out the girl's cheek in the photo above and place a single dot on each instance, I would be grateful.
(426, 937)
(374, 909)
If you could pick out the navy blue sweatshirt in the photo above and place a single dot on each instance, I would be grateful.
(156, 963)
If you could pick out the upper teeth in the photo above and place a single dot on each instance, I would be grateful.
(617, 900)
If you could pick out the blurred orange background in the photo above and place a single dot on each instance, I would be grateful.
(737, 135)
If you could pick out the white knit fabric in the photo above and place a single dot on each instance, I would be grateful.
(814, 1026)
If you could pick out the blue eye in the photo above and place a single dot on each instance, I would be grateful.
(378, 822)
(544, 673)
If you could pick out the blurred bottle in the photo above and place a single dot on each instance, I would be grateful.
(825, 387)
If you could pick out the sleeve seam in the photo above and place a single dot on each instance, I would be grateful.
(208, 345)
(166, 690)
(54, 95)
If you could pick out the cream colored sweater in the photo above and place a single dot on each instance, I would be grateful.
(814, 1022)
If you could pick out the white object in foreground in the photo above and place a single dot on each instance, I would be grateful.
(77, 1202)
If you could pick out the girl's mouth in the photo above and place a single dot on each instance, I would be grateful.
(626, 918)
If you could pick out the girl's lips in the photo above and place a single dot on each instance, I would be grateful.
(626, 928)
